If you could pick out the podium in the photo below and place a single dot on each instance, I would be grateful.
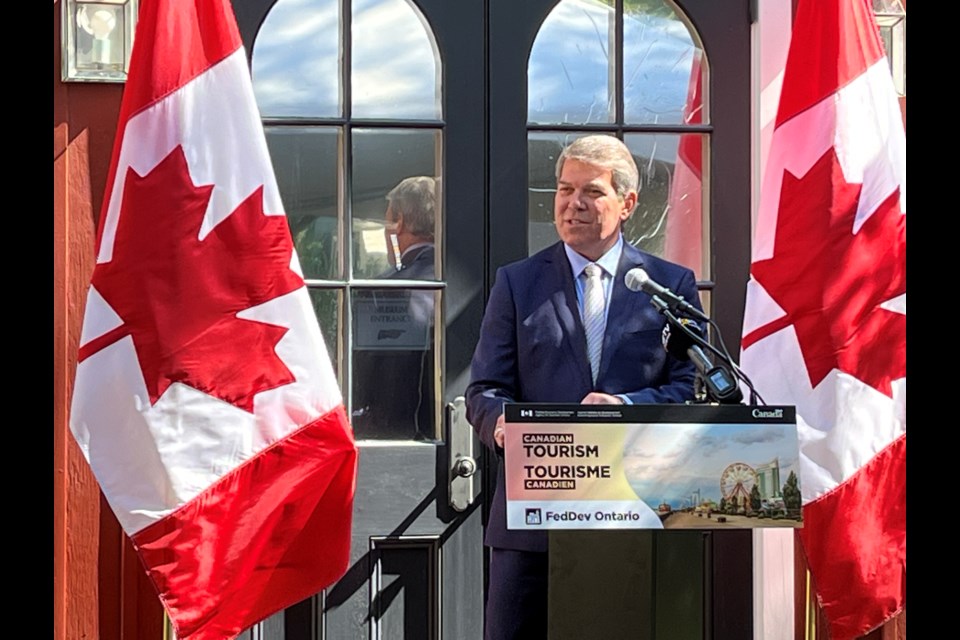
(600, 584)
(592, 475)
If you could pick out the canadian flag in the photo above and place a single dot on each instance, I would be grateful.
(825, 324)
(205, 400)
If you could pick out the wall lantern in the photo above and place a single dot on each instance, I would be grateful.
(892, 20)
(96, 39)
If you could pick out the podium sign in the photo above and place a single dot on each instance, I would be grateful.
(651, 466)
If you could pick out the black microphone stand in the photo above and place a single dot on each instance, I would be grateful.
(718, 379)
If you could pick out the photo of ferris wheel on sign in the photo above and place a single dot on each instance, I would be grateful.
(715, 476)
(736, 482)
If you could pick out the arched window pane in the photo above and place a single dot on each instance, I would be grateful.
(661, 65)
(305, 162)
(296, 60)
(570, 75)
(396, 64)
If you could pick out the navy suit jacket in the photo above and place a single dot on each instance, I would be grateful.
(533, 348)
(418, 264)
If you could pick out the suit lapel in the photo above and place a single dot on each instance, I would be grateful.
(623, 305)
(568, 311)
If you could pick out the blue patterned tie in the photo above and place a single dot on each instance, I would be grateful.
(594, 323)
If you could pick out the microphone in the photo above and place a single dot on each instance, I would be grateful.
(637, 280)
(720, 383)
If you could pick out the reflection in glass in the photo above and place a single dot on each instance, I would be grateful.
(382, 159)
(296, 60)
(326, 304)
(570, 75)
(394, 346)
(668, 220)
(686, 234)
(410, 229)
(661, 64)
(396, 63)
(305, 162)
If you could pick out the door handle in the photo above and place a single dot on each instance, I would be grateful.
(462, 464)
(465, 467)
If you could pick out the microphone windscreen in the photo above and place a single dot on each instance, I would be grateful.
(635, 279)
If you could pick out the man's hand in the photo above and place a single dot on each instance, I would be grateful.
(498, 431)
(595, 397)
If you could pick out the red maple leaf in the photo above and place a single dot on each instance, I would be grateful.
(178, 296)
(831, 282)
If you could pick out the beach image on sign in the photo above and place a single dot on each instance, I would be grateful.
(657, 475)
(737, 475)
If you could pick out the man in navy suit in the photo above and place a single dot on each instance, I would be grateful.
(533, 348)
(393, 397)
(410, 227)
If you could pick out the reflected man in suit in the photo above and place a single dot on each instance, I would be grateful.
(394, 374)
(410, 226)
(533, 348)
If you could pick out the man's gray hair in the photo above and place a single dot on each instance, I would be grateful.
(606, 152)
(415, 199)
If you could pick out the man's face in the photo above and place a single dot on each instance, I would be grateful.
(586, 209)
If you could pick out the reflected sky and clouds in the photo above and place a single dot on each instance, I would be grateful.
(396, 68)
(395, 62)
(568, 77)
(296, 60)
(570, 74)
(658, 57)
(395, 75)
